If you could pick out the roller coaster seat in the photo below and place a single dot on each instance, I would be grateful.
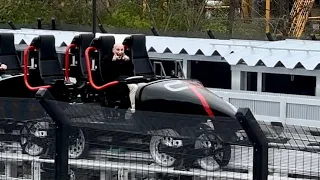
(117, 95)
(50, 68)
(9, 55)
(12, 77)
(82, 42)
(139, 55)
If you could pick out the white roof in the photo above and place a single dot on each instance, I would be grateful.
(159, 44)
(287, 53)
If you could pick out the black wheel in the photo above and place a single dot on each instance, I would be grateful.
(30, 135)
(213, 142)
(166, 137)
(77, 145)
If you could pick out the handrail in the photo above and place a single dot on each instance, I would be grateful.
(67, 61)
(286, 108)
(25, 70)
(91, 82)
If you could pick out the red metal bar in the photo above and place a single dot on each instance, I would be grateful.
(25, 70)
(88, 64)
(67, 61)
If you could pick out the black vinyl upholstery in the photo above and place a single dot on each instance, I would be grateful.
(49, 65)
(104, 45)
(8, 54)
(139, 55)
(83, 41)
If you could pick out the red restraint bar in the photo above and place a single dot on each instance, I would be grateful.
(88, 64)
(26, 70)
(67, 61)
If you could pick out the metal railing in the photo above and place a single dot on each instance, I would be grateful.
(91, 136)
(289, 109)
(37, 141)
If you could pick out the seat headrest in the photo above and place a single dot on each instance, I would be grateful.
(104, 44)
(7, 46)
(75, 40)
(8, 53)
(83, 41)
(46, 46)
(50, 68)
(138, 46)
(139, 54)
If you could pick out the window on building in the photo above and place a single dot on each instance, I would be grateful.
(252, 81)
(289, 84)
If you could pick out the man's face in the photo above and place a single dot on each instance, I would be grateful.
(118, 50)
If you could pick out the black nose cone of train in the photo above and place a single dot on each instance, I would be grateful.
(182, 97)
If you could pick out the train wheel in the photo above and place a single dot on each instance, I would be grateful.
(165, 138)
(220, 159)
(77, 145)
(28, 133)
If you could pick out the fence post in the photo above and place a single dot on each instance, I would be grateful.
(259, 141)
(61, 134)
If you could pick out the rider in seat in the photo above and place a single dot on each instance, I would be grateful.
(122, 67)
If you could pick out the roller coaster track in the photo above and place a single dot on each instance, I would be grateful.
(141, 163)
(299, 17)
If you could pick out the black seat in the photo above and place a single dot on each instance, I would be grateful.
(83, 42)
(50, 68)
(139, 55)
(104, 45)
(9, 55)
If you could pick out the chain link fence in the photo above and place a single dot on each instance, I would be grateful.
(102, 145)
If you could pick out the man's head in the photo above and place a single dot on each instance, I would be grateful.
(118, 49)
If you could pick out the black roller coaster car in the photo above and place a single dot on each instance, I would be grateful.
(172, 115)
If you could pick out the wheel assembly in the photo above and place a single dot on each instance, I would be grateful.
(32, 138)
(165, 138)
(219, 154)
(77, 145)
(72, 175)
